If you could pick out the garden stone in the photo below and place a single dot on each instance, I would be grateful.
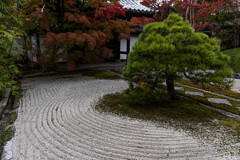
(236, 75)
(219, 100)
(179, 88)
(194, 93)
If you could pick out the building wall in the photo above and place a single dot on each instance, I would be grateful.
(33, 41)
(126, 46)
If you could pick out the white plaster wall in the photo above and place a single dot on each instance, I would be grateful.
(123, 56)
(123, 45)
(133, 40)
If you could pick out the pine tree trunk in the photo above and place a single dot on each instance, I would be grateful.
(236, 37)
(236, 34)
(170, 88)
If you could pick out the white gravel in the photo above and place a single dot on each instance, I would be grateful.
(56, 121)
(236, 86)
(7, 152)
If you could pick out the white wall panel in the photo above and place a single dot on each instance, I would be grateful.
(123, 45)
(133, 40)
(123, 56)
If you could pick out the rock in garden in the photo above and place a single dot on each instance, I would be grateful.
(195, 93)
(219, 100)
(179, 88)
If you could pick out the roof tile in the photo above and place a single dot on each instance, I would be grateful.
(134, 5)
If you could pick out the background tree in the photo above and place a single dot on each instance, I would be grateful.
(9, 48)
(163, 8)
(79, 28)
(166, 50)
(219, 17)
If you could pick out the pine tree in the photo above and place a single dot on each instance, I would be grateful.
(166, 50)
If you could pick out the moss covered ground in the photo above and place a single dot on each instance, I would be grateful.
(235, 58)
(211, 88)
(102, 75)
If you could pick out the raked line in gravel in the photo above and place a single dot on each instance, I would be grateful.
(57, 121)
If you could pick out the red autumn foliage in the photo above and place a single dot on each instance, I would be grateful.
(194, 11)
(69, 2)
(110, 11)
(163, 7)
(76, 18)
(81, 26)
(203, 26)
(142, 21)
(219, 16)
(42, 17)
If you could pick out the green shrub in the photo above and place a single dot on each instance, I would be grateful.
(235, 58)
(9, 48)
(142, 97)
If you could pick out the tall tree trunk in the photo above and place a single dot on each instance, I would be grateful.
(61, 13)
(236, 34)
(186, 15)
(170, 88)
(38, 46)
(236, 38)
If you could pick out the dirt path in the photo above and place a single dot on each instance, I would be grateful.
(57, 121)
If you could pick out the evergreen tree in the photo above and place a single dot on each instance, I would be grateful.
(9, 48)
(166, 50)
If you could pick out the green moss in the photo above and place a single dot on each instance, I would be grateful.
(181, 114)
(102, 75)
(115, 71)
(204, 100)
(28, 73)
(235, 58)
(211, 88)
(7, 135)
(157, 108)
(12, 118)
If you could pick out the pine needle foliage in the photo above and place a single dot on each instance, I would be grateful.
(167, 50)
(9, 32)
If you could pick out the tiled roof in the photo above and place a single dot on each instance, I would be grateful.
(134, 6)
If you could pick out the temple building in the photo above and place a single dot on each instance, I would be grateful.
(134, 9)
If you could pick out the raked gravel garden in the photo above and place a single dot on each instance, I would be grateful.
(57, 120)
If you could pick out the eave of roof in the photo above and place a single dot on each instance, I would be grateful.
(138, 29)
(135, 6)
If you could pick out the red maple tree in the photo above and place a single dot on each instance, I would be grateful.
(202, 14)
(79, 29)
(196, 11)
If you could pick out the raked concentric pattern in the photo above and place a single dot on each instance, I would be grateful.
(57, 121)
